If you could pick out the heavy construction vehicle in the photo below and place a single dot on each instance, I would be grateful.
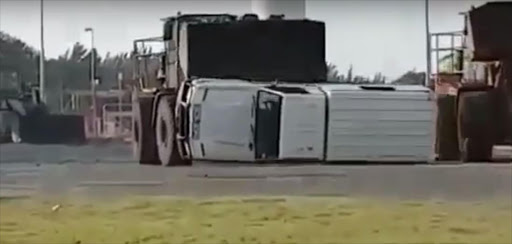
(474, 96)
(248, 89)
(24, 118)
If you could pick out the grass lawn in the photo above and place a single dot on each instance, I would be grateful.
(253, 220)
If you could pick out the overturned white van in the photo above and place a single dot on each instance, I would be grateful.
(235, 120)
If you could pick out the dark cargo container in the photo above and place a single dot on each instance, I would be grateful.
(285, 50)
(490, 26)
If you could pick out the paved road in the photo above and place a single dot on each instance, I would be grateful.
(51, 154)
(108, 170)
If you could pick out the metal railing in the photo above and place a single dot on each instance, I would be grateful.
(116, 120)
(451, 46)
(143, 53)
(447, 61)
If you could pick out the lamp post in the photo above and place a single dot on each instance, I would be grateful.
(429, 45)
(42, 85)
(93, 81)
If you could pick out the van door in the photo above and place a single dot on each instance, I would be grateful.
(268, 120)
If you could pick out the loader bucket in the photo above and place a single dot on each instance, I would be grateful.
(52, 129)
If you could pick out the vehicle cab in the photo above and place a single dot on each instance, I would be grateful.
(236, 120)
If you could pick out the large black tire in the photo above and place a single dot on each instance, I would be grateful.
(165, 130)
(474, 150)
(447, 146)
(144, 143)
(475, 126)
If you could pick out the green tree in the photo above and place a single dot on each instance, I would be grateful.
(411, 77)
(70, 70)
(350, 75)
(333, 73)
(378, 78)
(18, 62)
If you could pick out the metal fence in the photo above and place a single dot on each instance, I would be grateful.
(116, 121)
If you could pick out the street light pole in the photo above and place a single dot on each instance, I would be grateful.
(42, 85)
(429, 45)
(93, 82)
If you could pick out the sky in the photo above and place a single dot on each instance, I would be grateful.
(386, 36)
